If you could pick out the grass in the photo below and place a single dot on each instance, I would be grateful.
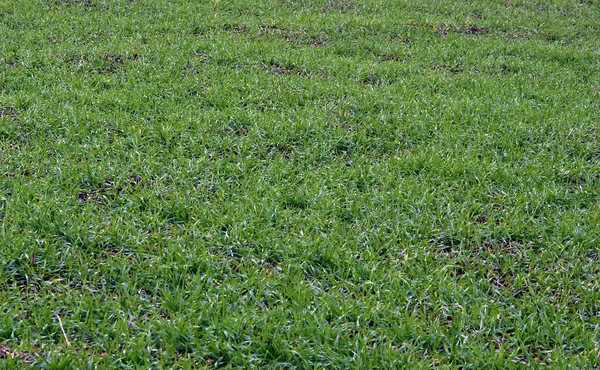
(289, 184)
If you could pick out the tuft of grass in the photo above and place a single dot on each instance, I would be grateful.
(285, 184)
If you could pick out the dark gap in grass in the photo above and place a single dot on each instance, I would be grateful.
(110, 64)
(343, 126)
(320, 285)
(475, 30)
(270, 302)
(237, 132)
(106, 63)
(113, 58)
(32, 273)
(78, 60)
(217, 362)
(237, 29)
(487, 268)
(282, 69)
(447, 244)
(9, 112)
(443, 29)
(109, 190)
(110, 250)
(283, 149)
(341, 6)
(162, 232)
(481, 219)
(389, 57)
(199, 31)
(87, 3)
(450, 244)
(451, 69)
(295, 202)
(16, 272)
(503, 70)
(12, 133)
(508, 246)
(285, 70)
(317, 42)
(296, 37)
(270, 266)
(99, 193)
(231, 152)
(235, 251)
(7, 353)
(272, 30)
(194, 66)
(374, 79)
(343, 146)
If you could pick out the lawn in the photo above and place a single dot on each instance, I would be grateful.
(299, 184)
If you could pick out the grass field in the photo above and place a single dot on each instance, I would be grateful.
(295, 184)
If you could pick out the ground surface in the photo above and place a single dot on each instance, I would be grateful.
(285, 184)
